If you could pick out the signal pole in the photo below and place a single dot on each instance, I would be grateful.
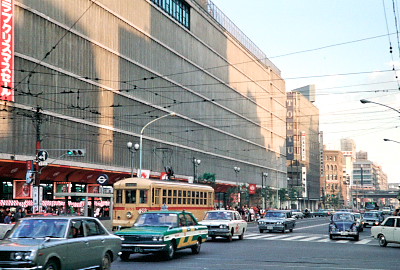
(37, 192)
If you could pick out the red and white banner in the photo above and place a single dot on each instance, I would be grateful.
(252, 188)
(7, 51)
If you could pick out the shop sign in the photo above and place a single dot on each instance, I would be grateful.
(7, 51)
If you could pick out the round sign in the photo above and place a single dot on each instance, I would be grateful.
(102, 179)
(42, 155)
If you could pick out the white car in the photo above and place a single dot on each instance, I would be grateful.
(224, 223)
(388, 231)
(297, 213)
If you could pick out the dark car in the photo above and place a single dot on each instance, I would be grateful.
(343, 224)
(277, 220)
(321, 213)
(372, 218)
(52, 243)
(163, 232)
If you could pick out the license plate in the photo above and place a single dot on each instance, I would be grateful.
(344, 233)
(137, 249)
(270, 227)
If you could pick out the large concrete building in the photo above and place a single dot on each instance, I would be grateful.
(303, 149)
(92, 74)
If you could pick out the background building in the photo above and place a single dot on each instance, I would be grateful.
(92, 74)
(336, 183)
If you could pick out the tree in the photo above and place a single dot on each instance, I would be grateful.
(207, 178)
(283, 195)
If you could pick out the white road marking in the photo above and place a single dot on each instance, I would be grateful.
(364, 241)
(278, 237)
(310, 238)
(313, 226)
(260, 236)
(342, 241)
(294, 237)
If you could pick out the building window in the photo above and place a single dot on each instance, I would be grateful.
(178, 9)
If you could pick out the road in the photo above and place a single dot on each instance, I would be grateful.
(307, 247)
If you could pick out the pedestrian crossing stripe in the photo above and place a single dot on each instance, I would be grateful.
(302, 238)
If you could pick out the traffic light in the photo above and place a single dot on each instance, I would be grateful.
(76, 152)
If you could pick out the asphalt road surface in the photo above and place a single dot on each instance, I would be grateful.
(307, 247)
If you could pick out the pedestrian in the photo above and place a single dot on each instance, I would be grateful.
(396, 212)
(7, 219)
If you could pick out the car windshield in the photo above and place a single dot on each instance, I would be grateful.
(370, 215)
(343, 217)
(358, 216)
(157, 219)
(218, 215)
(40, 228)
(275, 215)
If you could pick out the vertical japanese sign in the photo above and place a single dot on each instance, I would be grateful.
(304, 181)
(7, 51)
(289, 126)
(303, 146)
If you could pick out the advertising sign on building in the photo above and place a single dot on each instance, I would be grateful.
(7, 51)
(303, 146)
(252, 188)
(22, 190)
(289, 126)
(304, 181)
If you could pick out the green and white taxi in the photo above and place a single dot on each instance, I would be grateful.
(162, 232)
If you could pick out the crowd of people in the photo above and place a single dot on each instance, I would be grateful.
(248, 213)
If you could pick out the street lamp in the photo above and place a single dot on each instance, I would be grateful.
(196, 162)
(132, 148)
(141, 139)
(364, 101)
(237, 170)
(264, 176)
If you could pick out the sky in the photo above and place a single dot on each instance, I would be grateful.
(343, 48)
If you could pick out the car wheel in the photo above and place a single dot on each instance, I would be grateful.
(284, 229)
(170, 253)
(196, 248)
(241, 236)
(261, 230)
(357, 237)
(51, 265)
(291, 230)
(105, 262)
(125, 256)
(382, 241)
(331, 236)
(212, 238)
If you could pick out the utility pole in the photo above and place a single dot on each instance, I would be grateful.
(36, 189)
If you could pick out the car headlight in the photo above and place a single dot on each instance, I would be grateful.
(158, 238)
(261, 222)
(223, 226)
(128, 214)
(332, 227)
(122, 238)
(23, 255)
(279, 222)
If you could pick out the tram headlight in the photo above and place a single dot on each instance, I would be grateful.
(129, 215)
